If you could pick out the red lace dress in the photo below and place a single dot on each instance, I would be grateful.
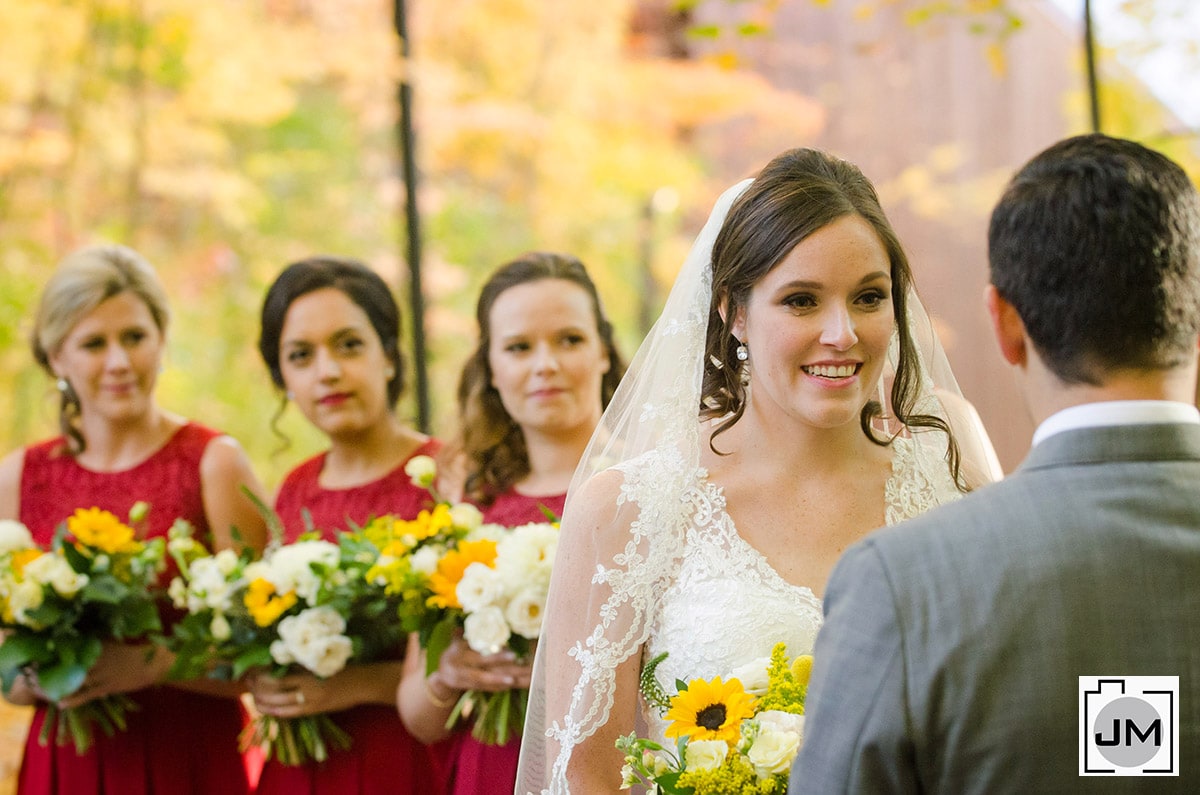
(176, 741)
(473, 768)
(383, 758)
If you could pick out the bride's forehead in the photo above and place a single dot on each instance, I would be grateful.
(845, 252)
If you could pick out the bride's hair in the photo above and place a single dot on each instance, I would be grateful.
(798, 193)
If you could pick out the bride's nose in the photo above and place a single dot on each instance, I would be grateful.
(837, 330)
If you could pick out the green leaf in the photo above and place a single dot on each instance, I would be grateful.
(705, 31)
(439, 641)
(254, 657)
(60, 680)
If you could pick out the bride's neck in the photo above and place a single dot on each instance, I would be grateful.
(799, 447)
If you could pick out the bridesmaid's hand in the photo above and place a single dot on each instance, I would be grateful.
(25, 691)
(121, 668)
(462, 668)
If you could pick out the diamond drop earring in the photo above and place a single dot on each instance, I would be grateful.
(742, 352)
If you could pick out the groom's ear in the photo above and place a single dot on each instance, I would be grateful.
(1007, 326)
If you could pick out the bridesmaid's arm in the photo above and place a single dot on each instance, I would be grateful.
(10, 484)
(299, 694)
(233, 519)
(425, 703)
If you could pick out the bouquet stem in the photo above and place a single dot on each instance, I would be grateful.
(498, 717)
(295, 741)
(75, 725)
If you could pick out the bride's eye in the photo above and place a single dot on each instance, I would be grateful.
(800, 301)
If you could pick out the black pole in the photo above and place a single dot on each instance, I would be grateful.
(412, 222)
(1089, 49)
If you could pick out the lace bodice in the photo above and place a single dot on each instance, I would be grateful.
(727, 606)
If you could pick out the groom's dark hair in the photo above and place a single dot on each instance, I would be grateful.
(1096, 244)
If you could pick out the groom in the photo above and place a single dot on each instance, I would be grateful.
(954, 645)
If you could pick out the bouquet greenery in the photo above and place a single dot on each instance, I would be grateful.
(731, 738)
(58, 606)
(313, 605)
(488, 583)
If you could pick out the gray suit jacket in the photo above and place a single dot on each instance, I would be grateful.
(953, 644)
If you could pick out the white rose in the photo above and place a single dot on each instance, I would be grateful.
(777, 720)
(425, 560)
(479, 587)
(466, 516)
(525, 612)
(25, 597)
(227, 561)
(486, 631)
(291, 567)
(705, 754)
(327, 656)
(421, 470)
(14, 536)
(280, 652)
(313, 638)
(526, 555)
(773, 752)
(219, 627)
(488, 532)
(752, 675)
(53, 570)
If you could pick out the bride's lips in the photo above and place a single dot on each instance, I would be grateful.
(833, 374)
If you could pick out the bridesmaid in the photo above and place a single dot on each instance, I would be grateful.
(330, 338)
(100, 332)
(529, 398)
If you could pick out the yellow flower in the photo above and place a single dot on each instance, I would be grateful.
(802, 668)
(427, 523)
(23, 556)
(101, 530)
(444, 581)
(266, 608)
(710, 710)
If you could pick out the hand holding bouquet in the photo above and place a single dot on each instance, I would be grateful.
(489, 584)
(311, 605)
(734, 735)
(59, 606)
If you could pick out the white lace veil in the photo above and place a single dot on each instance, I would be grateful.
(627, 514)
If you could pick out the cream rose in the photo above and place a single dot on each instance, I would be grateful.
(486, 631)
(773, 752)
(14, 536)
(705, 754)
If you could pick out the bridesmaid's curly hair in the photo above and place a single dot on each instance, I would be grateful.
(798, 193)
(492, 442)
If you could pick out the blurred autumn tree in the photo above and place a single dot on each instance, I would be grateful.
(227, 138)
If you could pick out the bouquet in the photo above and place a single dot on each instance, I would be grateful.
(731, 738)
(58, 606)
(312, 605)
(487, 582)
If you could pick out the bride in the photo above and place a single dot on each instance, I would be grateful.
(791, 398)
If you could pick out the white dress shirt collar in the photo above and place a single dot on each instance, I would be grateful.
(1116, 412)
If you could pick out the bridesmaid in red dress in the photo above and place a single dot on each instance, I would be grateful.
(529, 398)
(330, 337)
(100, 332)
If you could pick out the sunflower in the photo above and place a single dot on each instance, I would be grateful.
(710, 710)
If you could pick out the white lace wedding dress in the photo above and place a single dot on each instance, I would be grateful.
(727, 606)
